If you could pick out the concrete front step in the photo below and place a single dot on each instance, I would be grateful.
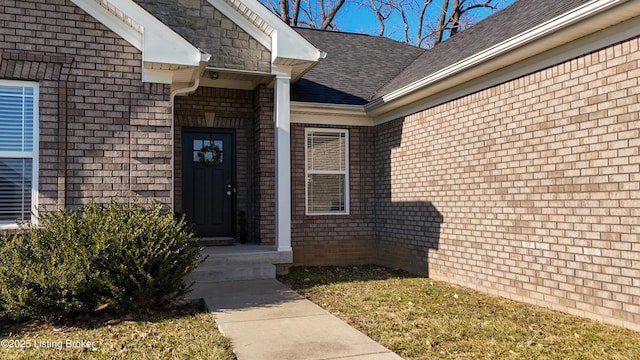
(231, 273)
(239, 262)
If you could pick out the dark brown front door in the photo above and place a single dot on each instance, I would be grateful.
(207, 181)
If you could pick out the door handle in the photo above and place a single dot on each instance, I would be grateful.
(229, 193)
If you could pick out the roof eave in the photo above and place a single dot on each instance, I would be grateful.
(560, 30)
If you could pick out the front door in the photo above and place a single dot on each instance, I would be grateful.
(207, 181)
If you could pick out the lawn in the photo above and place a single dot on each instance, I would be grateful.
(423, 319)
(178, 333)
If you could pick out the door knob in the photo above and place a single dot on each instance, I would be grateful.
(229, 193)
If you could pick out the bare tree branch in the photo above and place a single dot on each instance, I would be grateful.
(483, 5)
(442, 24)
(284, 11)
(322, 13)
(296, 12)
(310, 23)
(423, 10)
(273, 8)
(453, 16)
(405, 21)
(381, 18)
(327, 20)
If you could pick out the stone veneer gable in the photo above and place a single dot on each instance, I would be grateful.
(207, 28)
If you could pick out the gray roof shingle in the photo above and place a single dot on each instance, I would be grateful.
(355, 67)
(509, 22)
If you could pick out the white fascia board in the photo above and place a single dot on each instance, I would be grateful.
(157, 76)
(580, 14)
(288, 44)
(111, 21)
(159, 43)
(329, 114)
(244, 23)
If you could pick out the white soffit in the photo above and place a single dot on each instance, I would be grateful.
(158, 43)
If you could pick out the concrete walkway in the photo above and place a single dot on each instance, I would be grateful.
(266, 320)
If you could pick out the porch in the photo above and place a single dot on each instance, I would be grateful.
(240, 262)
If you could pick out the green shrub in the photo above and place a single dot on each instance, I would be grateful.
(122, 255)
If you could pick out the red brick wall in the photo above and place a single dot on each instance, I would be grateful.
(102, 131)
(334, 239)
(529, 189)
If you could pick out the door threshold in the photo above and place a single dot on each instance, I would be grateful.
(217, 241)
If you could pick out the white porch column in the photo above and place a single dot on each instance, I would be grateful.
(282, 119)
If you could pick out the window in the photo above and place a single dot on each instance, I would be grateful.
(327, 164)
(18, 151)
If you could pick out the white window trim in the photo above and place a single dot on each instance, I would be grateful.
(346, 211)
(34, 154)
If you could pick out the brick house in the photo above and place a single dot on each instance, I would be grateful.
(505, 159)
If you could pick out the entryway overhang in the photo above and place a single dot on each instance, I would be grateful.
(291, 57)
(168, 58)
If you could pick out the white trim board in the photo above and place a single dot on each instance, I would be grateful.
(329, 114)
(34, 154)
(346, 171)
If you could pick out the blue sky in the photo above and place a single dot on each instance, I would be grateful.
(361, 19)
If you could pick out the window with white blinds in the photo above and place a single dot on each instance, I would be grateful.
(327, 164)
(18, 151)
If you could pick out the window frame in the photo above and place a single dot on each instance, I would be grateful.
(33, 155)
(345, 172)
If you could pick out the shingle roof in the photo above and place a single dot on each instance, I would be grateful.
(509, 22)
(355, 67)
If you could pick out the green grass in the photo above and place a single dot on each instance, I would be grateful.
(422, 319)
(179, 333)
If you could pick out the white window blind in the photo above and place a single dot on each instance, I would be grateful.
(18, 150)
(327, 171)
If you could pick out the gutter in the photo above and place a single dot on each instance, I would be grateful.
(204, 59)
(563, 21)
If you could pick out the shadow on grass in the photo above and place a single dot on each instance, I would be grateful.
(301, 278)
(97, 320)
